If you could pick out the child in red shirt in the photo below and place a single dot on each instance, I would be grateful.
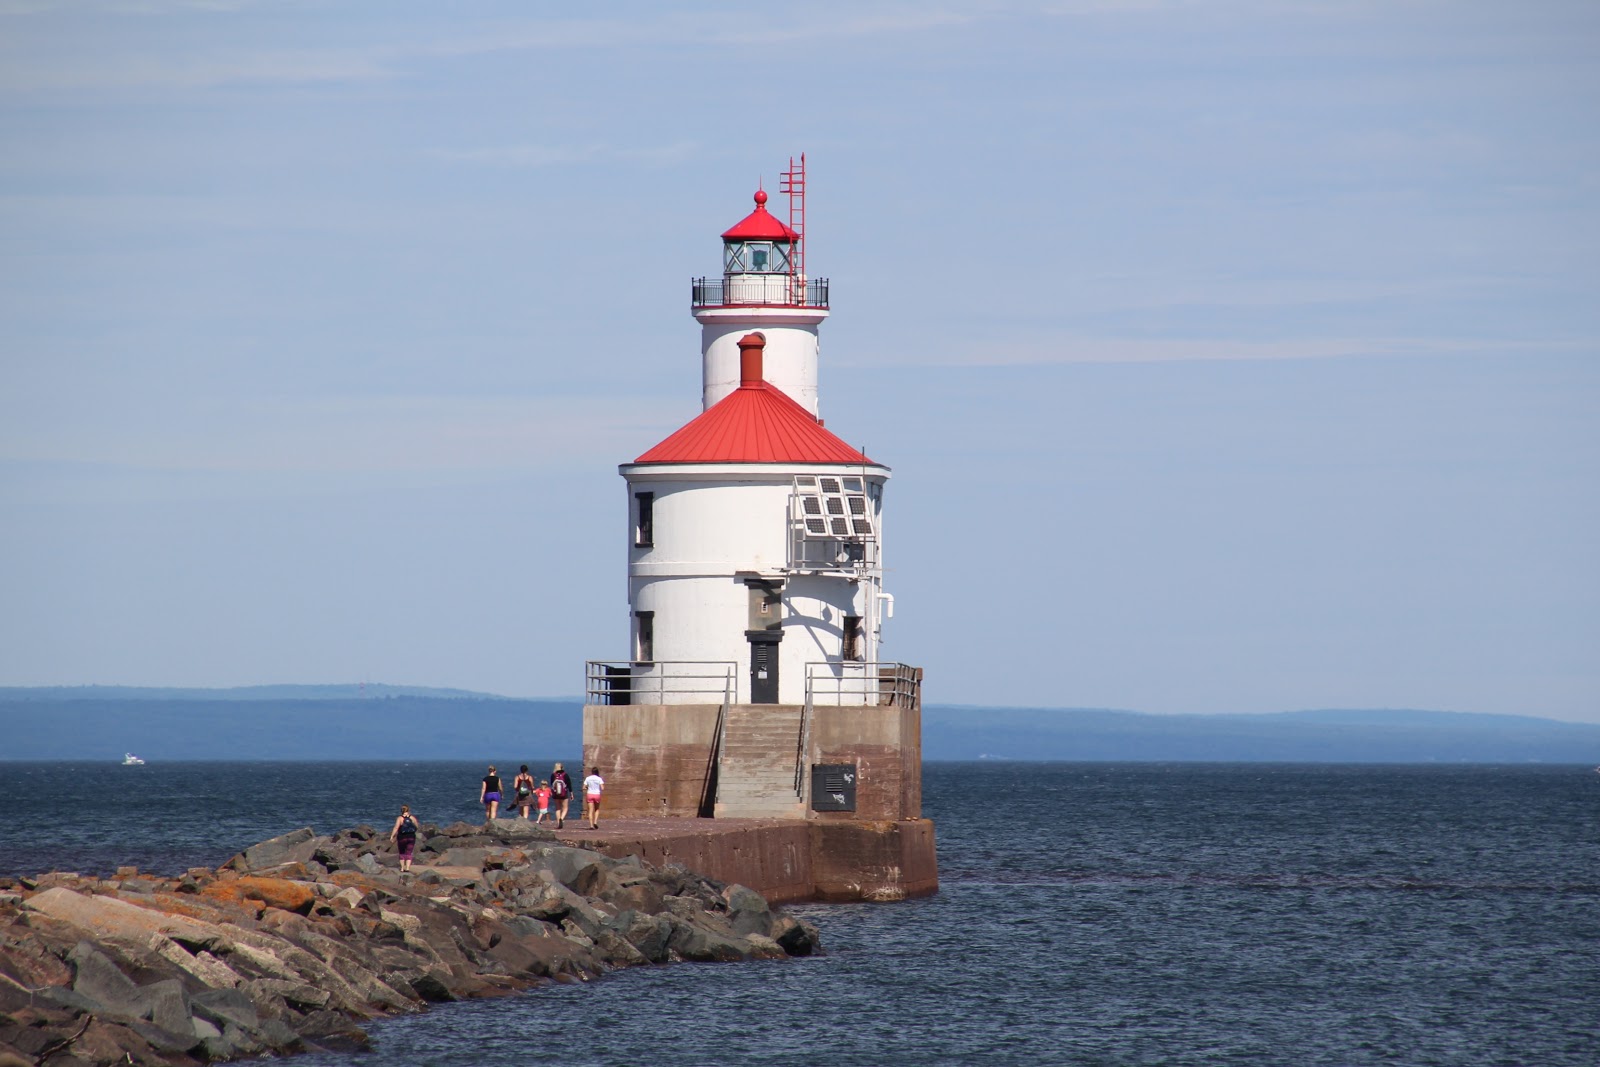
(542, 794)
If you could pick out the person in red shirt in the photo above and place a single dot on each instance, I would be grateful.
(542, 795)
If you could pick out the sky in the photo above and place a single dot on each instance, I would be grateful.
(1229, 356)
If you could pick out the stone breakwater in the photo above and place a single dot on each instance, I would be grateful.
(297, 942)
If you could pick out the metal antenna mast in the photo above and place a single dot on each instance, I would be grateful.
(793, 182)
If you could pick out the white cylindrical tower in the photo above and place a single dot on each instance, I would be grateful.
(763, 288)
(755, 541)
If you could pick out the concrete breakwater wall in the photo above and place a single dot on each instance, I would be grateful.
(786, 860)
(298, 941)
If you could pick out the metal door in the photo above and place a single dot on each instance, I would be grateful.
(764, 665)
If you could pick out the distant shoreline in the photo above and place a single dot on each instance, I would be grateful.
(366, 723)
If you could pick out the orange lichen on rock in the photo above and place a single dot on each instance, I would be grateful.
(272, 892)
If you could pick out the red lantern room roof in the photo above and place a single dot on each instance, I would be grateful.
(761, 225)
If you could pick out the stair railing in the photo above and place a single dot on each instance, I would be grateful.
(801, 782)
(708, 788)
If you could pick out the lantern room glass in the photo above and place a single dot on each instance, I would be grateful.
(756, 257)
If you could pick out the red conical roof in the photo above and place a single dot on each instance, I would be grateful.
(756, 423)
(760, 225)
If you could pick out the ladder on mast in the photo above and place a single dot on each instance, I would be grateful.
(793, 182)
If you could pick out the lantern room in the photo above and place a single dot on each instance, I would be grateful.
(760, 244)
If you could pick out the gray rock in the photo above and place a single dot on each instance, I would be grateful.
(464, 857)
(292, 847)
(222, 1007)
(748, 912)
(650, 934)
(165, 1004)
(72, 1001)
(566, 864)
(164, 1040)
(279, 1037)
(690, 941)
(98, 980)
(431, 988)
(244, 1042)
(796, 936)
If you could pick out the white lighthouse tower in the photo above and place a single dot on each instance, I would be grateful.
(764, 287)
(754, 685)
(755, 532)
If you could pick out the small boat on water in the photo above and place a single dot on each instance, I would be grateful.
(130, 760)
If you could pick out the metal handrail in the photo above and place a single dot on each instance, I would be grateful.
(713, 778)
(718, 292)
(868, 684)
(622, 682)
(805, 747)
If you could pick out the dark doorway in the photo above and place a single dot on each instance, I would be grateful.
(764, 665)
(852, 639)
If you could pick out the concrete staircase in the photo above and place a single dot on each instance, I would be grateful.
(755, 776)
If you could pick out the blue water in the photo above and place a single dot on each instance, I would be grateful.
(1089, 914)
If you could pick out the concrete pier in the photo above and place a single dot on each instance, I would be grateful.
(785, 860)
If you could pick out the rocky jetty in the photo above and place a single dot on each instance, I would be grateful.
(297, 942)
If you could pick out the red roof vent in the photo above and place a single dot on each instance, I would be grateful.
(750, 349)
(761, 225)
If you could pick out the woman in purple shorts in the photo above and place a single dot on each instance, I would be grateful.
(404, 836)
(489, 795)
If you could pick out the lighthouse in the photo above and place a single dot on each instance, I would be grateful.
(755, 685)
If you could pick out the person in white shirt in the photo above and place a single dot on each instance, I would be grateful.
(593, 786)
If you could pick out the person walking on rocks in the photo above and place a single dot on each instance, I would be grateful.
(543, 793)
(489, 795)
(560, 794)
(404, 836)
(522, 786)
(593, 786)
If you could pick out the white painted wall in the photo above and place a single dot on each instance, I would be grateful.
(788, 362)
(715, 525)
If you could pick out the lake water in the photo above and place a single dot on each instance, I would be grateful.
(1088, 914)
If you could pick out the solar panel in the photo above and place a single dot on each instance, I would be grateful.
(831, 507)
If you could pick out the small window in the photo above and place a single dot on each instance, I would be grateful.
(853, 652)
(644, 636)
(644, 524)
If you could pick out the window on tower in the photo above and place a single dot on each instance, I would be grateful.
(644, 520)
(644, 636)
(853, 651)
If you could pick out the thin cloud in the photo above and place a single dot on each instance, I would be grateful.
(302, 67)
(383, 434)
(1195, 350)
(395, 58)
(538, 156)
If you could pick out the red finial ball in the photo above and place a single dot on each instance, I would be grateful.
(761, 196)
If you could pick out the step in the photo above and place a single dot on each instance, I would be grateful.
(769, 810)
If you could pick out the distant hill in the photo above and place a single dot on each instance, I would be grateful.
(350, 691)
(952, 732)
(493, 729)
(378, 722)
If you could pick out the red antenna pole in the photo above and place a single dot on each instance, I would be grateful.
(793, 182)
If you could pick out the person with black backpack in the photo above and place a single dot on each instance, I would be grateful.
(560, 793)
(404, 836)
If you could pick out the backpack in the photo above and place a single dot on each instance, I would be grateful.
(408, 827)
(558, 786)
